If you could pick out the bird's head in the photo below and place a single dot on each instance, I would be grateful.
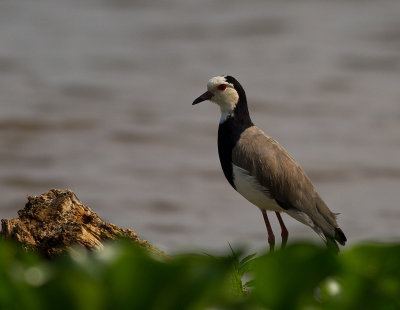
(222, 91)
(226, 92)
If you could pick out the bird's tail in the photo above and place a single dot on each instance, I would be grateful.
(339, 236)
(324, 224)
(331, 242)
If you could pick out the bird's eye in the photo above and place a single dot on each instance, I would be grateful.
(221, 87)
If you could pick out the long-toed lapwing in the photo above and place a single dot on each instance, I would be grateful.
(262, 171)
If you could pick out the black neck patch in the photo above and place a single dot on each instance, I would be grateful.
(241, 111)
(230, 130)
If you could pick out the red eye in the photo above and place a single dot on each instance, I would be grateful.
(221, 87)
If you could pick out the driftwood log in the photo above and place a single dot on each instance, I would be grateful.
(56, 221)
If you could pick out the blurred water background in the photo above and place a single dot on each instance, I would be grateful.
(95, 96)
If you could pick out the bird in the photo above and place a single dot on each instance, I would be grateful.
(262, 171)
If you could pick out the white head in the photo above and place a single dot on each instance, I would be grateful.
(225, 94)
(221, 91)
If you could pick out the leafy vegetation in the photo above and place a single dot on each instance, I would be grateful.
(122, 276)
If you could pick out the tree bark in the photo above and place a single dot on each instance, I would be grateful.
(56, 221)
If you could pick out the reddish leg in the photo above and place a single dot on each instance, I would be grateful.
(271, 237)
(284, 231)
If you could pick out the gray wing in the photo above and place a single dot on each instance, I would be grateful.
(288, 184)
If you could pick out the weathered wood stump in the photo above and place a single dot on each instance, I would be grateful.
(56, 221)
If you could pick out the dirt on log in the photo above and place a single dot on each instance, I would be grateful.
(56, 221)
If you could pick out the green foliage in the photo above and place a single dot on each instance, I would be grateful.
(369, 278)
(122, 276)
(241, 266)
(288, 279)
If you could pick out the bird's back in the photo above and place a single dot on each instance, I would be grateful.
(286, 182)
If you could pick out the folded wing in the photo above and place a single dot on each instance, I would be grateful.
(287, 183)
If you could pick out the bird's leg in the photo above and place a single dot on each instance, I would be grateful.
(271, 237)
(284, 231)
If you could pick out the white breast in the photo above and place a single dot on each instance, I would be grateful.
(252, 190)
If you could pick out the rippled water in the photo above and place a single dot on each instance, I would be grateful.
(96, 96)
